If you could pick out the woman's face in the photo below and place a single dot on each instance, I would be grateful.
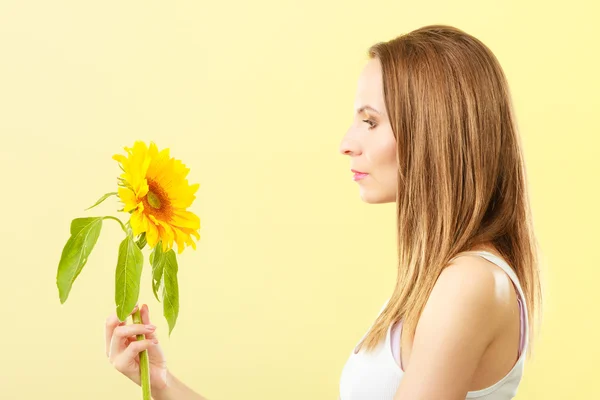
(370, 142)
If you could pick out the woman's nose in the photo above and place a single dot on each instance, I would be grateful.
(349, 146)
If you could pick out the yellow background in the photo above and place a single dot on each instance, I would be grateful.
(292, 267)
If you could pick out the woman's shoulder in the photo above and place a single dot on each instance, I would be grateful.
(473, 277)
(474, 288)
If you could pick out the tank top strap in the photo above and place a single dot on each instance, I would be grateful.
(500, 262)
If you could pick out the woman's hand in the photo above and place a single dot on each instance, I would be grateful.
(122, 349)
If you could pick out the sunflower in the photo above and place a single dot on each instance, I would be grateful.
(154, 189)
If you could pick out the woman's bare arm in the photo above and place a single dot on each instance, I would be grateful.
(176, 390)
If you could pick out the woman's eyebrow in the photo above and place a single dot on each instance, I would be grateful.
(367, 107)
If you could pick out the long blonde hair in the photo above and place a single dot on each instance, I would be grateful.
(461, 174)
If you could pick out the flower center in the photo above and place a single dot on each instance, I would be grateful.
(153, 200)
(157, 201)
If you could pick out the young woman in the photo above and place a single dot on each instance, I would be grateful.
(434, 132)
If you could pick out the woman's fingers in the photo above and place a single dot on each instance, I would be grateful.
(122, 332)
(125, 360)
(145, 314)
(138, 346)
(110, 325)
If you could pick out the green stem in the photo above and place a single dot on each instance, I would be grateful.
(144, 362)
(118, 220)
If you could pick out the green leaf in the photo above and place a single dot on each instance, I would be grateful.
(101, 199)
(75, 253)
(141, 242)
(127, 277)
(157, 258)
(164, 279)
(170, 292)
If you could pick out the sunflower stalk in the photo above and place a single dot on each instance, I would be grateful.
(144, 359)
(144, 362)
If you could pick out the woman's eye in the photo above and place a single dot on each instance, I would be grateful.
(371, 123)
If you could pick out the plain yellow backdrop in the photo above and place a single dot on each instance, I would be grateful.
(292, 267)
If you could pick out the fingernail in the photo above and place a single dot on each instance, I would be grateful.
(154, 341)
(151, 327)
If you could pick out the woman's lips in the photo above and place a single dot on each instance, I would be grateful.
(359, 176)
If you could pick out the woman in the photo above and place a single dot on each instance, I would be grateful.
(433, 132)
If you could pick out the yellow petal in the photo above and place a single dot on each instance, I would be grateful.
(185, 219)
(192, 232)
(139, 162)
(179, 239)
(139, 222)
(165, 231)
(122, 159)
(128, 198)
(135, 166)
(152, 234)
(184, 196)
(190, 242)
(143, 188)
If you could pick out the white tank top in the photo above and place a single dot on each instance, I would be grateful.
(376, 375)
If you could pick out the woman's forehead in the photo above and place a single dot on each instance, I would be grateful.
(369, 93)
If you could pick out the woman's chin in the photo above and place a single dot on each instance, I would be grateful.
(373, 197)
